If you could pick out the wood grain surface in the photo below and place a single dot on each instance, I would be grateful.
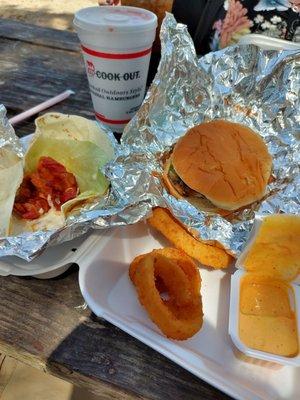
(43, 322)
(37, 35)
(32, 73)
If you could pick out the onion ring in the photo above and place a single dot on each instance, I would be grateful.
(180, 316)
(183, 261)
(180, 257)
(168, 280)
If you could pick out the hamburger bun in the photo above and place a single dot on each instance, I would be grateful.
(225, 162)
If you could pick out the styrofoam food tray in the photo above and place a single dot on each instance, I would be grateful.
(210, 354)
(53, 261)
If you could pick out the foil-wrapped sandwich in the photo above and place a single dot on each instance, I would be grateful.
(216, 139)
(51, 180)
(11, 173)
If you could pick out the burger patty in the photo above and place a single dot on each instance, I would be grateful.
(179, 185)
(195, 198)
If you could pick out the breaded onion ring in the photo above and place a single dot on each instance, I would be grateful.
(180, 316)
(183, 261)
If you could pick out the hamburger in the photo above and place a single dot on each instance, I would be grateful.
(218, 165)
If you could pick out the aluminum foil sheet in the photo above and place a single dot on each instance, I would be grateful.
(240, 83)
(8, 138)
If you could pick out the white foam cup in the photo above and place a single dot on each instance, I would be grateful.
(116, 44)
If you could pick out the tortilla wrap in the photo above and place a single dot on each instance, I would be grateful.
(82, 147)
(11, 175)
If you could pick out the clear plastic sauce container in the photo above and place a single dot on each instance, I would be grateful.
(264, 316)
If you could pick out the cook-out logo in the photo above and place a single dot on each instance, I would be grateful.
(117, 76)
(90, 68)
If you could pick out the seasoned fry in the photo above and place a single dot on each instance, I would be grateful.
(213, 256)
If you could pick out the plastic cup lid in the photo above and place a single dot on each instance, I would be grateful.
(115, 19)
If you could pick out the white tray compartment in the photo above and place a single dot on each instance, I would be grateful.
(210, 355)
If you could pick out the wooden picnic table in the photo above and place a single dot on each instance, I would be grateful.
(44, 322)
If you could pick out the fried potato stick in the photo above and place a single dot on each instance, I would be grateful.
(207, 254)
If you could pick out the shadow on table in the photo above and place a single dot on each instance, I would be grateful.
(82, 394)
(104, 359)
(107, 361)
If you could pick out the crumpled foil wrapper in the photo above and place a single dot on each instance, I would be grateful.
(8, 138)
(240, 83)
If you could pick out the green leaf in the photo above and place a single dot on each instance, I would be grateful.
(83, 159)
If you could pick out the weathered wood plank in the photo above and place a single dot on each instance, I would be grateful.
(34, 34)
(31, 74)
(43, 324)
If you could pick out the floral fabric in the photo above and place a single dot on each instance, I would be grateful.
(276, 18)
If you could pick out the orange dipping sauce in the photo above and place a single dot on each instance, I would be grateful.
(276, 249)
(267, 320)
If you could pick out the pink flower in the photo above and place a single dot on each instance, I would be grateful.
(295, 5)
(235, 20)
